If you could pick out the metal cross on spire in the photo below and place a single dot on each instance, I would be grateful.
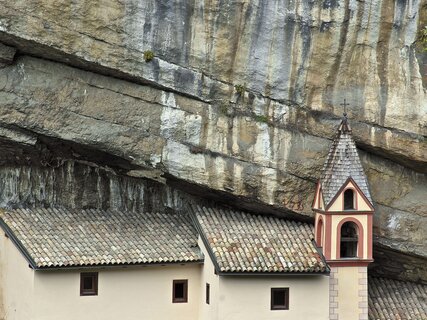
(345, 104)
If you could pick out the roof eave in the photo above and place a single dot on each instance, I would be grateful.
(269, 274)
(18, 244)
(121, 265)
(193, 217)
(328, 269)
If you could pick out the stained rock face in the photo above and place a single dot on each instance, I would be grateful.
(313, 53)
(79, 76)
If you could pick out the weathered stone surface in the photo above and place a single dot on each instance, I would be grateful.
(311, 53)
(151, 128)
(6, 55)
(102, 119)
(395, 264)
(78, 185)
(179, 117)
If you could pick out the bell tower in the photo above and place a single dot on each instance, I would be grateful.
(343, 226)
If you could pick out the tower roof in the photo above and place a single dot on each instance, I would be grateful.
(342, 163)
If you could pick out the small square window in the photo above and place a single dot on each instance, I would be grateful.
(279, 298)
(208, 293)
(180, 291)
(89, 283)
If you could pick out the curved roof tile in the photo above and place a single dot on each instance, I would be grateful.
(58, 237)
(243, 242)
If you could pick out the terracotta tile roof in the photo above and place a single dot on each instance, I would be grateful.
(241, 242)
(342, 162)
(63, 237)
(397, 300)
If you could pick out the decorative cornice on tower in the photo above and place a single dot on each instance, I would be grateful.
(342, 163)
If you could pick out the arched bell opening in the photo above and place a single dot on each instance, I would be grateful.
(349, 240)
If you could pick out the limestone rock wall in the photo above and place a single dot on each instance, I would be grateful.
(313, 53)
(79, 75)
(79, 185)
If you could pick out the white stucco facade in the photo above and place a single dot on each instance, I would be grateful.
(131, 293)
(249, 297)
(123, 293)
(16, 283)
(146, 293)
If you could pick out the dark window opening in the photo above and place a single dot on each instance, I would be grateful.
(179, 291)
(208, 293)
(89, 283)
(279, 298)
(349, 200)
(349, 240)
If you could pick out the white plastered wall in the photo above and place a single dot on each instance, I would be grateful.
(123, 293)
(131, 293)
(146, 292)
(249, 297)
(16, 283)
(208, 311)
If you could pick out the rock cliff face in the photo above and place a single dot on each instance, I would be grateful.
(74, 85)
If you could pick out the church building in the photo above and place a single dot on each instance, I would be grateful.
(207, 262)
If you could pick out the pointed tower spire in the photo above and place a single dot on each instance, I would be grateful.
(342, 163)
(343, 225)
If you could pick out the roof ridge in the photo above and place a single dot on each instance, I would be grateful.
(258, 214)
